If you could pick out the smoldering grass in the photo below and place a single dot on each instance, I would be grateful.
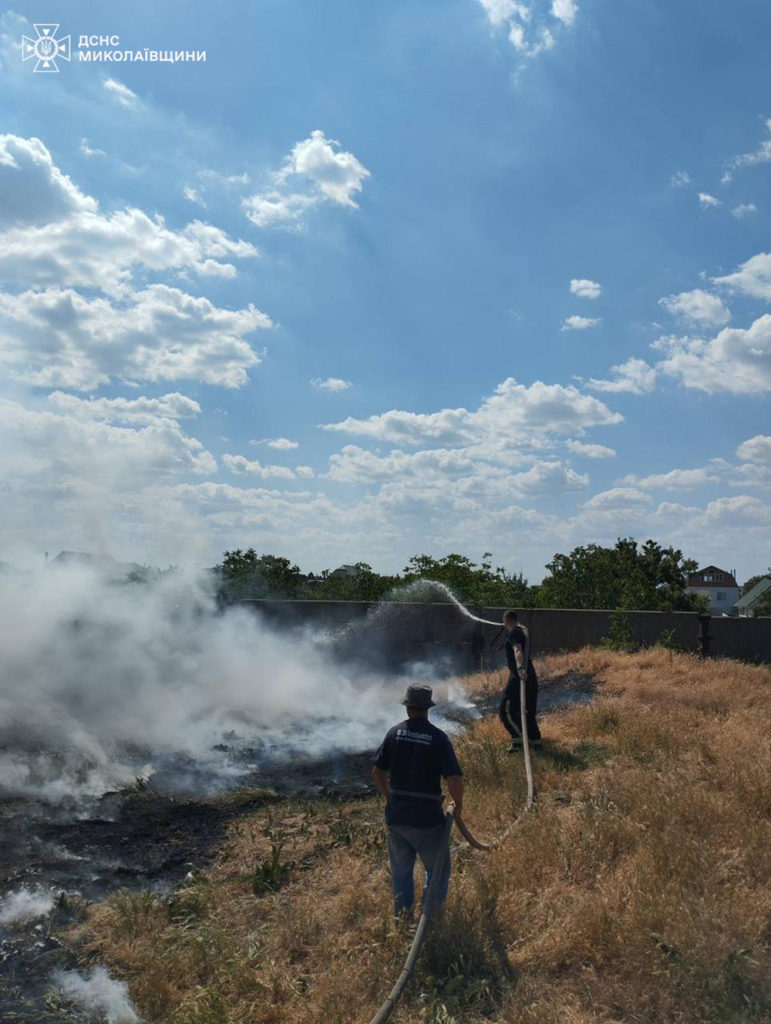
(639, 895)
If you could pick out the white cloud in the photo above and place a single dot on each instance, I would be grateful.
(337, 175)
(740, 511)
(324, 171)
(71, 453)
(500, 11)
(120, 92)
(193, 195)
(736, 361)
(680, 179)
(51, 233)
(244, 467)
(513, 413)
(756, 449)
(698, 307)
(585, 288)
(282, 444)
(617, 498)
(634, 376)
(58, 338)
(755, 455)
(706, 200)
(126, 410)
(590, 451)
(752, 278)
(674, 480)
(761, 155)
(744, 210)
(579, 323)
(525, 23)
(86, 150)
(565, 10)
(331, 384)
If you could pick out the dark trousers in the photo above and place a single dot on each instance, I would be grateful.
(510, 712)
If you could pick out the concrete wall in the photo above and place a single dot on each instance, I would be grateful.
(397, 634)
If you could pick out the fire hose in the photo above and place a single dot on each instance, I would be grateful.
(451, 817)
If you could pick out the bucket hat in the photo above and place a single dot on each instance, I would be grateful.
(419, 697)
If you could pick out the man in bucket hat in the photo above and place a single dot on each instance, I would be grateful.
(412, 759)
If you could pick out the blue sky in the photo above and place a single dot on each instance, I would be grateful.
(380, 279)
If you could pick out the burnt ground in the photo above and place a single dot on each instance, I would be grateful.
(146, 838)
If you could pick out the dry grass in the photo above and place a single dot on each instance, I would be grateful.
(635, 892)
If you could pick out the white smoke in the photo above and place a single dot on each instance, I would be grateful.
(98, 994)
(103, 682)
(25, 905)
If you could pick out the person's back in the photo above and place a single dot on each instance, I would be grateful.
(408, 768)
(416, 754)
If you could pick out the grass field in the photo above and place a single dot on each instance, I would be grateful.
(636, 891)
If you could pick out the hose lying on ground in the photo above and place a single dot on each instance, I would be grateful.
(429, 902)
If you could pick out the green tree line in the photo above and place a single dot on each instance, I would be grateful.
(629, 576)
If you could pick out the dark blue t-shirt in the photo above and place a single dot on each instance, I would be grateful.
(513, 637)
(416, 755)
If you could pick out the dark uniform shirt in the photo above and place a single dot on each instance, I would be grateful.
(416, 755)
(513, 637)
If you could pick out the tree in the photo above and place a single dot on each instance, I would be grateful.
(363, 585)
(481, 585)
(245, 574)
(625, 576)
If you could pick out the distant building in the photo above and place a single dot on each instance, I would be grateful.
(719, 587)
(748, 602)
(345, 571)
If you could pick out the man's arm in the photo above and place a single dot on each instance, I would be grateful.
(381, 780)
(455, 788)
(519, 657)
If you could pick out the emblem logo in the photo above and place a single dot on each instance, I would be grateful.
(47, 48)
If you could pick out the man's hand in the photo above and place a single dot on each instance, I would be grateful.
(455, 788)
(381, 781)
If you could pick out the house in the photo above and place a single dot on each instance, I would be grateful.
(345, 572)
(719, 587)
(759, 594)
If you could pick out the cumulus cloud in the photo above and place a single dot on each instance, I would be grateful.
(52, 234)
(590, 451)
(331, 384)
(244, 467)
(514, 411)
(744, 210)
(752, 278)
(193, 195)
(698, 307)
(564, 10)
(579, 323)
(755, 456)
(618, 498)
(120, 92)
(761, 155)
(316, 170)
(282, 444)
(126, 410)
(585, 288)
(736, 361)
(706, 200)
(59, 338)
(674, 480)
(634, 376)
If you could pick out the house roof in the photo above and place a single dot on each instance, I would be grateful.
(696, 579)
(748, 600)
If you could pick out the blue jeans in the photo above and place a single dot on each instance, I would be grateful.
(405, 842)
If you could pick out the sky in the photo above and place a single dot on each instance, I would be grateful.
(351, 281)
